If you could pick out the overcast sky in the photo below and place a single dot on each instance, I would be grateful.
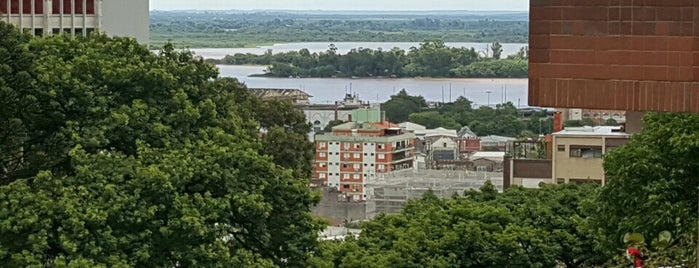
(341, 4)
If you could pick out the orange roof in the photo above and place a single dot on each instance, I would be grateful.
(384, 125)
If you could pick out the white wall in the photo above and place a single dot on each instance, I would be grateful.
(126, 18)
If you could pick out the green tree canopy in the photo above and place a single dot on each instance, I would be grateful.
(653, 186)
(119, 157)
(401, 105)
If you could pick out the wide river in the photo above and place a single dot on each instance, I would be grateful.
(329, 90)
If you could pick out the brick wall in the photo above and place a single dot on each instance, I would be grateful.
(635, 55)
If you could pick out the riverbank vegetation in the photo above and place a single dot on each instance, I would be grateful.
(229, 29)
(114, 156)
(502, 120)
(430, 59)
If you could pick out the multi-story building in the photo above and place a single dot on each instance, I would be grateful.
(79, 17)
(577, 153)
(357, 152)
(634, 56)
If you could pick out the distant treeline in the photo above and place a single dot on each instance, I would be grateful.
(251, 29)
(430, 59)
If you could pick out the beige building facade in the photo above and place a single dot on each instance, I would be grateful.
(79, 17)
(577, 153)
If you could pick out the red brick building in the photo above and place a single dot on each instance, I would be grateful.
(631, 55)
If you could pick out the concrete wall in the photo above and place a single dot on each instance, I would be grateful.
(611, 54)
(567, 167)
(126, 18)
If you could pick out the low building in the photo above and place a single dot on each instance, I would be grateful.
(495, 143)
(577, 153)
(487, 161)
(469, 142)
(320, 115)
(356, 152)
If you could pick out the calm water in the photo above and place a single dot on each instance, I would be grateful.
(329, 90)
(343, 47)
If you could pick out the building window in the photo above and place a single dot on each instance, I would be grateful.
(38, 32)
(561, 148)
(321, 175)
(347, 145)
(355, 176)
(89, 31)
(90, 7)
(560, 181)
(56, 31)
(586, 152)
(3, 6)
(56, 6)
(345, 155)
(79, 31)
(321, 144)
(382, 167)
(38, 7)
(357, 145)
(382, 156)
(26, 6)
(345, 165)
(346, 176)
(67, 9)
(345, 186)
(78, 7)
(67, 31)
(14, 7)
(382, 146)
(357, 156)
(356, 166)
(321, 155)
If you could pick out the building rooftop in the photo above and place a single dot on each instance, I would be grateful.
(495, 156)
(366, 126)
(279, 93)
(495, 138)
(466, 132)
(440, 132)
(592, 131)
(410, 126)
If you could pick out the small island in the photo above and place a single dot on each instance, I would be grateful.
(431, 59)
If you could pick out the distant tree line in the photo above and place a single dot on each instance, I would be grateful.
(430, 59)
(221, 29)
(503, 119)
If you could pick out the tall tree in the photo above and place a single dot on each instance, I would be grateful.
(653, 185)
(136, 159)
(401, 105)
(496, 49)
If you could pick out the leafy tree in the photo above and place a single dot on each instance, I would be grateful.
(136, 159)
(433, 119)
(332, 124)
(401, 105)
(653, 184)
(496, 49)
(518, 228)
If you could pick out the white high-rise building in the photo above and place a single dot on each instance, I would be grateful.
(79, 17)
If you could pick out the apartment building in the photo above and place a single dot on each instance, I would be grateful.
(577, 153)
(79, 17)
(355, 153)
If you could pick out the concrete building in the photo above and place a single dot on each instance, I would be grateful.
(495, 143)
(79, 17)
(633, 56)
(577, 155)
(356, 152)
(488, 161)
(320, 115)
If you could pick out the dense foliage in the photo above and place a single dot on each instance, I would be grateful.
(503, 119)
(430, 59)
(113, 156)
(518, 228)
(654, 188)
(248, 29)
